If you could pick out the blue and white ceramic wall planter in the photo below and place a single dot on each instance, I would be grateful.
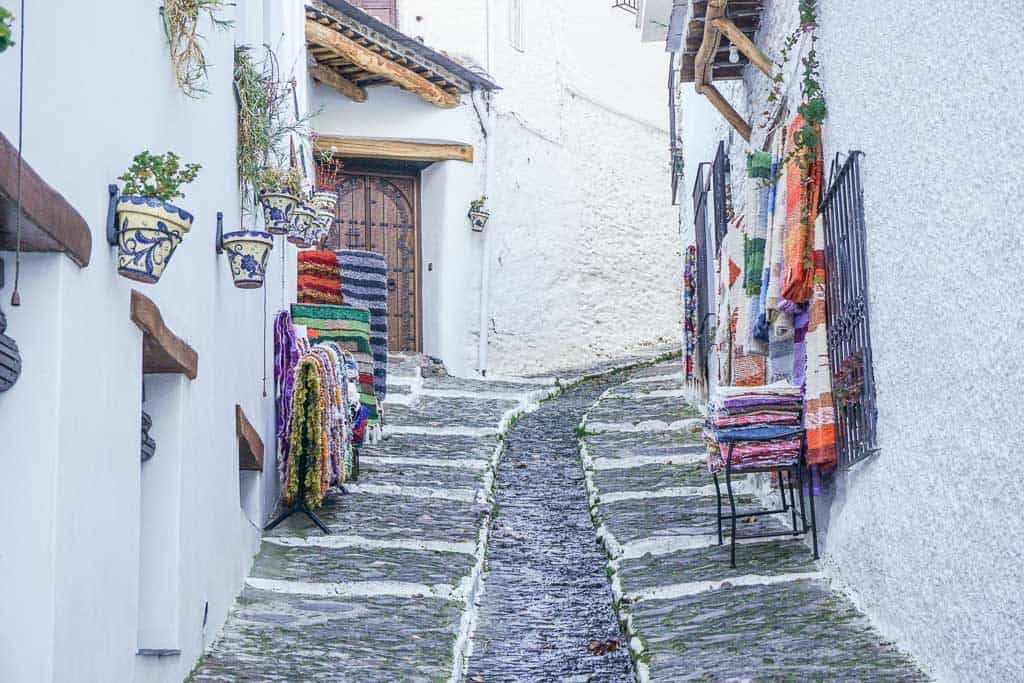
(278, 206)
(326, 200)
(303, 221)
(248, 253)
(148, 232)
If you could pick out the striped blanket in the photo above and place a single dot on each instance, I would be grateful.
(318, 278)
(819, 412)
(364, 276)
(349, 328)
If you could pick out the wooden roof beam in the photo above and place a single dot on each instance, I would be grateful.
(704, 62)
(400, 150)
(743, 44)
(333, 79)
(250, 445)
(375, 63)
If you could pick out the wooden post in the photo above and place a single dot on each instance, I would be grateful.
(743, 44)
(723, 106)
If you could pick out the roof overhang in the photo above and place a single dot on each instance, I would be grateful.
(351, 51)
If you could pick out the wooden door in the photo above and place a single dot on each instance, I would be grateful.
(380, 213)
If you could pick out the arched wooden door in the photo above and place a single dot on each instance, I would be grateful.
(379, 213)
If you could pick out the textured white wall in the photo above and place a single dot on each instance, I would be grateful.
(70, 427)
(584, 259)
(926, 536)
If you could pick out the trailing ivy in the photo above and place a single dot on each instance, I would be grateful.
(812, 106)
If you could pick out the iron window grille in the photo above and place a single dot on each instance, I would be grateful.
(849, 329)
(720, 176)
(631, 6)
(700, 217)
(676, 148)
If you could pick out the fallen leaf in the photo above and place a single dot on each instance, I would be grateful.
(598, 647)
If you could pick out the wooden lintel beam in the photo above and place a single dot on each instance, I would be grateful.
(726, 109)
(250, 445)
(399, 150)
(163, 352)
(375, 63)
(743, 44)
(333, 79)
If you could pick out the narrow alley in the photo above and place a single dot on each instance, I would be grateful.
(506, 529)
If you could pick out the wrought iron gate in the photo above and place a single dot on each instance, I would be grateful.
(849, 329)
(700, 218)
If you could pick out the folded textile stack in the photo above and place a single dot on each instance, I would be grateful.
(761, 425)
(349, 327)
(364, 282)
(318, 278)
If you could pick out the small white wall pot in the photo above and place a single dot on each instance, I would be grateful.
(278, 205)
(303, 220)
(248, 253)
(478, 219)
(148, 232)
(326, 200)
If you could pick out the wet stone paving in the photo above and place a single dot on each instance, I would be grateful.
(539, 530)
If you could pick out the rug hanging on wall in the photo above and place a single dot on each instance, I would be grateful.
(364, 283)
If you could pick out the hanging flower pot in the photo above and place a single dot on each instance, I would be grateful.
(278, 205)
(303, 221)
(248, 252)
(478, 219)
(149, 230)
(326, 200)
(146, 227)
(322, 222)
(478, 215)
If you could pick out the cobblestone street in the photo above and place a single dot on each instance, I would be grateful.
(490, 538)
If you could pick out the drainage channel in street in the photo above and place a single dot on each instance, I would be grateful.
(546, 609)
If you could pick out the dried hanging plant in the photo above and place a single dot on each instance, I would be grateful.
(264, 121)
(181, 25)
(328, 167)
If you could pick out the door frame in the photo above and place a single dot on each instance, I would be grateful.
(370, 167)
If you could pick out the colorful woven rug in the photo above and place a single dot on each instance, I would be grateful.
(364, 282)
(349, 328)
(318, 278)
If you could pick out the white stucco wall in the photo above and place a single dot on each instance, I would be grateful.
(99, 89)
(584, 255)
(926, 536)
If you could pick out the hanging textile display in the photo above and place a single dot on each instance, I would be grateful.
(318, 278)
(308, 446)
(803, 187)
(349, 327)
(739, 364)
(286, 357)
(364, 283)
(819, 411)
(691, 323)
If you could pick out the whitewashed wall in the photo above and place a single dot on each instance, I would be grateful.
(926, 536)
(584, 255)
(99, 89)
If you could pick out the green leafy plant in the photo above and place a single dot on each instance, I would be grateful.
(158, 176)
(290, 179)
(478, 204)
(181, 26)
(6, 20)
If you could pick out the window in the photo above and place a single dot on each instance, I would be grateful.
(849, 329)
(385, 10)
(705, 266)
(517, 24)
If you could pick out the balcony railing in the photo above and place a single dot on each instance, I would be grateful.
(631, 6)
